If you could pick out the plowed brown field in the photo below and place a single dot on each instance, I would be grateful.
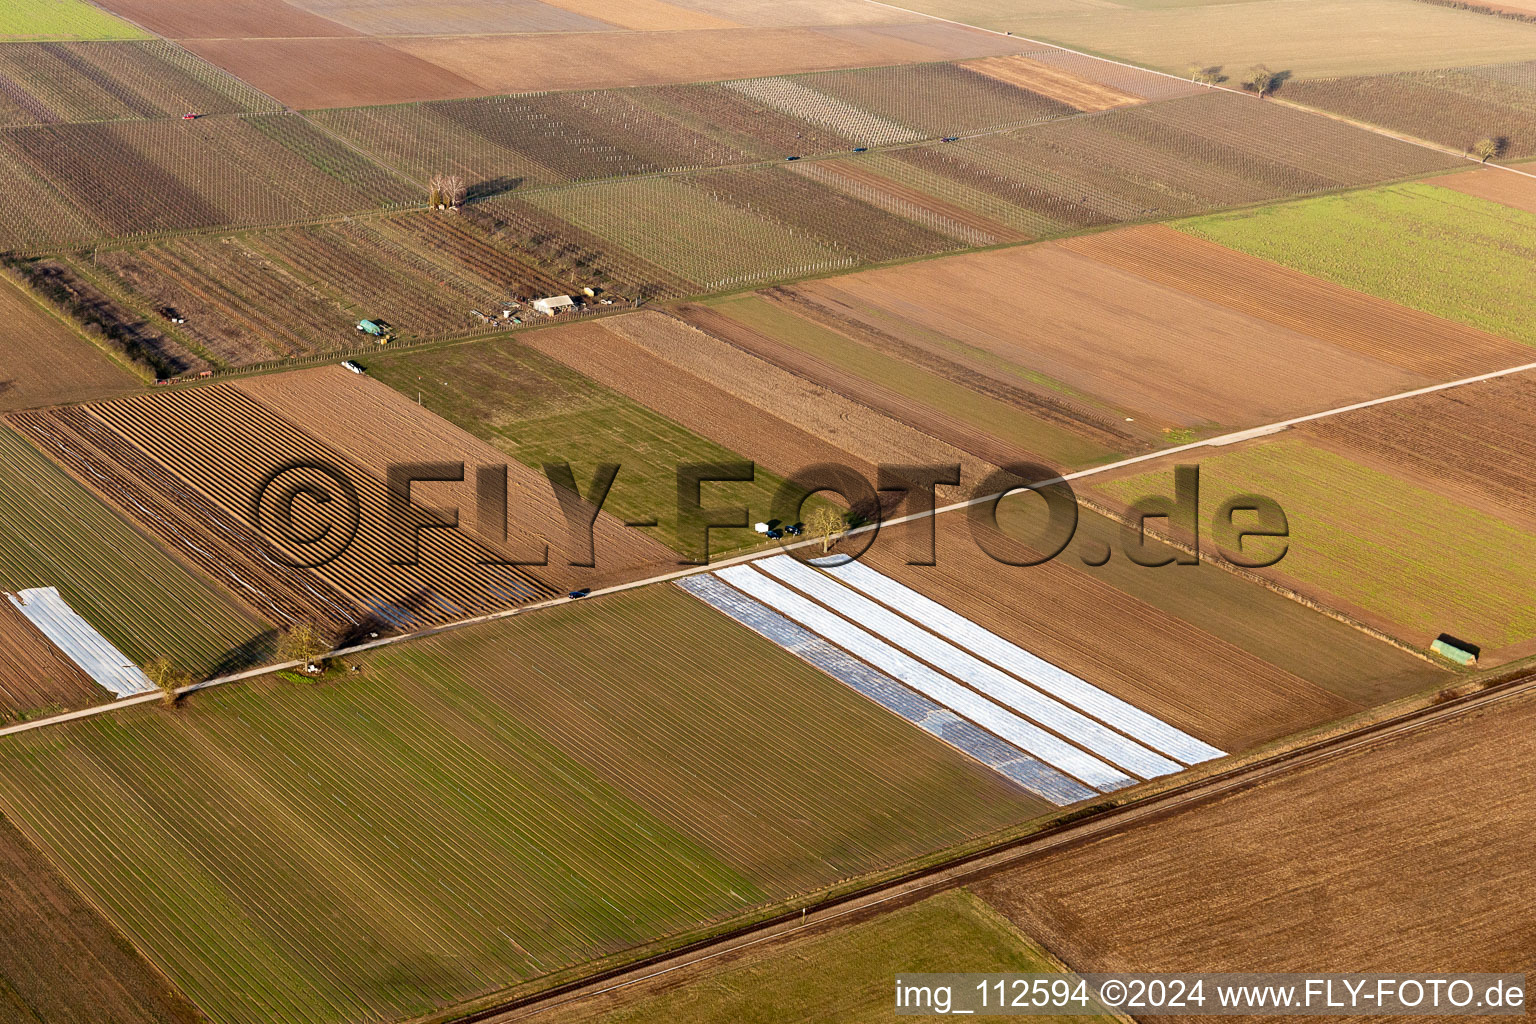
(228, 19)
(1051, 81)
(1476, 443)
(1163, 356)
(34, 673)
(1352, 321)
(644, 15)
(1515, 190)
(334, 72)
(34, 344)
(1410, 852)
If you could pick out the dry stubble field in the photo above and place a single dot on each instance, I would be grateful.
(1408, 853)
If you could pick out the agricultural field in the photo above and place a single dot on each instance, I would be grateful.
(294, 292)
(135, 177)
(1153, 360)
(1023, 71)
(1495, 185)
(59, 961)
(513, 805)
(1452, 106)
(148, 605)
(35, 675)
(91, 81)
(1436, 249)
(522, 401)
(191, 465)
(1408, 852)
(1406, 557)
(1221, 658)
(1305, 37)
(35, 343)
(788, 981)
(61, 19)
(978, 415)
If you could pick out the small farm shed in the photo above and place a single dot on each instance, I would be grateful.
(554, 304)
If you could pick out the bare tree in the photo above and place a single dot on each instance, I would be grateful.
(306, 644)
(446, 191)
(167, 677)
(1205, 74)
(1487, 148)
(827, 523)
(1260, 80)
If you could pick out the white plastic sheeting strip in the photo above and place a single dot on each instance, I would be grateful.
(1010, 762)
(967, 668)
(1058, 682)
(94, 653)
(1028, 737)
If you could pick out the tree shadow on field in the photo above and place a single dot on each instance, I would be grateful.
(1277, 82)
(7, 385)
(491, 187)
(255, 651)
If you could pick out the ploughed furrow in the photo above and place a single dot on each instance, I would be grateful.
(893, 197)
(227, 445)
(198, 530)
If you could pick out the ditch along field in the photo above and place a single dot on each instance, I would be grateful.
(93, 81)
(35, 343)
(1305, 37)
(512, 805)
(1408, 852)
(524, 401)
(295, 292)
(56, 534)
(1436, 249)
(59, 961)
(1218, 340)
(189, 465)
(1393, 549)
(35, 675)
(1219, 657)
(134, 177)
(1452, 106)
(788, 981)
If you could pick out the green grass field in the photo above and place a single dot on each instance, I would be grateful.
(1432, 248)
(790, 983)
(55, 534)
(1420, 561)
(988, 415)
(61, 19)
(538, 411)
(484, 808)
(1314, 37)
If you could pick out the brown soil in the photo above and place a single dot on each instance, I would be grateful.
(904, 199)
(1163, 664)
(313, 73)
(34, 674)
(59, 961)
(601, 60)
(1497, 186)
(1051, 81)
(1405, 338)
(376, 425)
(1407, 853)
(644, 15)
(35, 346)
(1475, 443)
(864, 433)
(227, 19)
(767, 440)
(1162, 355)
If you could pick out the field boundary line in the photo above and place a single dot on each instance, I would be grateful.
(693, 570)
